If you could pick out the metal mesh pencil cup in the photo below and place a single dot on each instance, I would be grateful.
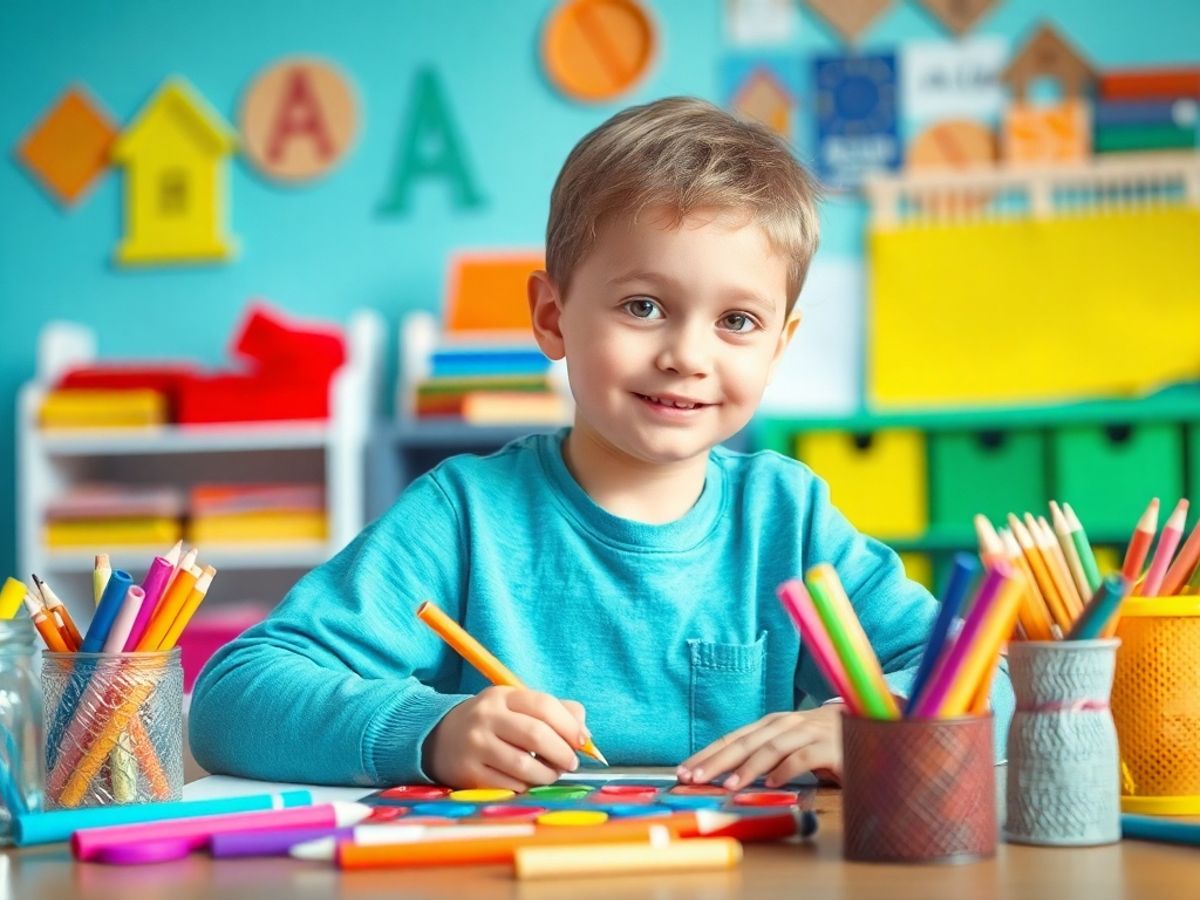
(114, 728)
(918, 790)
(1156, 705)
(1062, 788)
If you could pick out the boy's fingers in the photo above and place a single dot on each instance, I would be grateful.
(770, 753)
(740, 747)
(535, 736)
(494, 778)
(699, 759)
(816, 755)
(551, 711)
(575, 708)
(518, 764)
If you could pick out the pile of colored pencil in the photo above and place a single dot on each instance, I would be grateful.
(1064, 592)
(956, 670)
(128, 618)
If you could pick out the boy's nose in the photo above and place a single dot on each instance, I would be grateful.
(685, 353)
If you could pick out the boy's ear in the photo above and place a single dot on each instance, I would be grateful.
(545, 309)
(785, 338)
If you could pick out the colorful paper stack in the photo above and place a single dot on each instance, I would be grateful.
(955, 675)
(1064, 593)
(233, 513)
(88, 515)
(65, 407)
(1147, 109)
(489, 384)
(129, 617)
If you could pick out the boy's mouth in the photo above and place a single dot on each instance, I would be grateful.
(671, 402)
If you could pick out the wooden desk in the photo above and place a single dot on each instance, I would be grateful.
(815, 870)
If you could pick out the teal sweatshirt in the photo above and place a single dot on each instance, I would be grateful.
(670, 635)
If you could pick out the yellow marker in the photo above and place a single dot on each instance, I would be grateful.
(583, 859)
(482, 795)
(11, 597)
(573, 817)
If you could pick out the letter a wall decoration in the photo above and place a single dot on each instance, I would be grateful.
(175, 156)
(298, 119)
(430, 148)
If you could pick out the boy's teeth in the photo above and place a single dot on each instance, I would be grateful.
(675, 403)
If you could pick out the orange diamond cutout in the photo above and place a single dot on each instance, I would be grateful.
(68, 148)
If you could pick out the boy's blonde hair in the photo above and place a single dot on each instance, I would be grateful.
(682, 154)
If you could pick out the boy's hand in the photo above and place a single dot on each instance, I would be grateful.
(506, 737)
(782, 745)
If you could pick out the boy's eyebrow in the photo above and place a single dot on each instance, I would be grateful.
(736, 295)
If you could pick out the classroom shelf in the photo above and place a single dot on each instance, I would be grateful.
(303, 555)
(185, 438)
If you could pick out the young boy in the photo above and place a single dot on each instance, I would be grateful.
(629, 562)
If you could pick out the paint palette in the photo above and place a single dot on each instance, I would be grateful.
(578, 801)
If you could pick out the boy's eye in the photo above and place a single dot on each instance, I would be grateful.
(738, 322)
(643, 308)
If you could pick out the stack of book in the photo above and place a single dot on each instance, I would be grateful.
(89, 515)
(67, 407)
(1147, 109)
(253, 513)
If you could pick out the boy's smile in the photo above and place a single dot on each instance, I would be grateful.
(670, 333)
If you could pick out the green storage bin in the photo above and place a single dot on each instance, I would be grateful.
(992, 472)
(1108, 473)
(1192, 472)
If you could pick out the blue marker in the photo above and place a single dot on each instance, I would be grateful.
(106, 611)
(961, 576)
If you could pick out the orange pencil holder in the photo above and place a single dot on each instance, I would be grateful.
(114, 728)
(1156, 705)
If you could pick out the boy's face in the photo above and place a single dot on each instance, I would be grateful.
(670, 333)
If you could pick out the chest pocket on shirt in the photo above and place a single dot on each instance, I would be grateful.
(728, 688)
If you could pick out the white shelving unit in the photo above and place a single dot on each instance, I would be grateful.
(331, 452)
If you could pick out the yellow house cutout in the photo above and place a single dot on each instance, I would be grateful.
(176, 180)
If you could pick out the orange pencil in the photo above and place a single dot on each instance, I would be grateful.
(1062, 531)
(1058, 610)
(1035, 617)
(58, 611)
(194, 599)
(168, 608)
(1054, 556)
(478, 656)
(1185, 564)
(45, 626)
(1168, 543)
(1139, 544)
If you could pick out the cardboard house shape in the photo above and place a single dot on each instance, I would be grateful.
(176, 180)
(1048, 55)
(763, 99)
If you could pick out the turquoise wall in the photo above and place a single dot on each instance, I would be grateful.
(324, 250)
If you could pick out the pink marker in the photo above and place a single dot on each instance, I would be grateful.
(796, 600)
(185, 835)
(1168, 543)
(134, 601)
(153, 584)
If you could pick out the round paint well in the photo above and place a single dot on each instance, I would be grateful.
(766, 798)
(482, 795)
(415, 792)
(573, 817)
(628, 790)
(558, 792)
(699, 790)
(511, 811)
(444, 810)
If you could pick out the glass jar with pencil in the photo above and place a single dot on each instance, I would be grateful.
(20, 713)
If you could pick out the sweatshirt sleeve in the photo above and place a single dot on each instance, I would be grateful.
(896, 612)
(341, 684)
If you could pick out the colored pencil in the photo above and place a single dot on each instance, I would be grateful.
(1083, 548)
(957, 587)
(1168, 543)
(931, 702)
(1159, 828)
(100, 577)
(970, 690)
(1041, 574)
(45, 626)
(799, 604)
(130, 606)
(1184, 565)
(582, 860)
(991, 548)
(110, 604)
(168, 608)
(1193, 585)
(1062, 532)
(1101, 609)
(1139, 544)
(853, 648)
(479, 656)
(1035, 618)
(58, 610)
(1056, 566)
(194, 599)
(153, 586)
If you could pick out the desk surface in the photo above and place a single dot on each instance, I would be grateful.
(814, 870)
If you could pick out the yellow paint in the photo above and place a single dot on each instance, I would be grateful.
(176, 180)
(1027, 311)
(482, 795)
(880, 488)
(573, 817)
